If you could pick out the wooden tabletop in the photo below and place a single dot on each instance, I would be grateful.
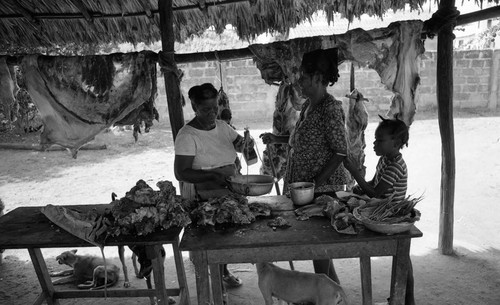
(316, 230)
(27, 227)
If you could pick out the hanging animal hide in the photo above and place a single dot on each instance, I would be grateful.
(79, 96)
(8, 91)
(394, 52)
(286, 113)
(357, 121)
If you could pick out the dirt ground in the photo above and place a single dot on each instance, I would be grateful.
(471, 276)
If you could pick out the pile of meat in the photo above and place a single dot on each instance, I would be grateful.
(143, 210)
(228, 209)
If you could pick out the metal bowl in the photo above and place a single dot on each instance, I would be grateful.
(251, 185)
(302, 193)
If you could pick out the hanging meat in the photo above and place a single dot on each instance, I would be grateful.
(357, 120)
(8, 92)
(394, 52)
(79, 96)
(286, 113)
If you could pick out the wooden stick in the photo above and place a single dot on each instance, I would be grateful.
(55, 147)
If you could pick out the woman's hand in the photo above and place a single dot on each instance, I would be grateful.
(268, 138)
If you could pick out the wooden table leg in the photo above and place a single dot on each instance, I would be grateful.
(43, 275)
(202, 280)
(181, 274)
(159, 274)
(216, 279)
(400, 272)
(366, 279)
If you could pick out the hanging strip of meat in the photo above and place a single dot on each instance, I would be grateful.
(286, 113)
(8, 91)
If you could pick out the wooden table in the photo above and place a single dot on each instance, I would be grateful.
(28, 228)
(304, 240)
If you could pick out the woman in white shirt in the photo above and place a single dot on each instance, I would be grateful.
(205, 151)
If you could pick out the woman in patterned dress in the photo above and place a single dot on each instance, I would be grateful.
(318, 144)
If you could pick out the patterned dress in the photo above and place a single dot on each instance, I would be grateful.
(315, 140)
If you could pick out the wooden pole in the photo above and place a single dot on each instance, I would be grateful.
(172, 82)
(445, 116)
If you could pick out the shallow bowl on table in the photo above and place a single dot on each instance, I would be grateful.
(382, 227)
(302, 193)
(251, 185)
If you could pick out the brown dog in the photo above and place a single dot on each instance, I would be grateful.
(298, 287)
(88, 271)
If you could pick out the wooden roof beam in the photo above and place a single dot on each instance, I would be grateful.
(27, 14)
(46, 16)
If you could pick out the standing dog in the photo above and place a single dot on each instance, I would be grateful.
(298, 287)
(88, 271)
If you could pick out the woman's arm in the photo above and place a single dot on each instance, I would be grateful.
(269, 138)
(183, 170)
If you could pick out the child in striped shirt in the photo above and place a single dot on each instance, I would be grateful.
(391, 176)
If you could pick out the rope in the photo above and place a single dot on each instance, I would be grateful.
(168, 65)
(442, 18)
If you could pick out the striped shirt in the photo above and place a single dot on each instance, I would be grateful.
(394, 172)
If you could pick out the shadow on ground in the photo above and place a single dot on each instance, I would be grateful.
(465, 278)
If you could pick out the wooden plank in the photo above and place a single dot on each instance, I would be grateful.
(201, 274)
(55, 147)
(43, 276)
(316, 230)
(99, 15)
(366, 279)
(299, 252)
(111, 293)
(400, 272)
(444, 72)
(158, 274)
(172, 81)
(489, 13)
(216, 277)
(181, 274)
(27, 227)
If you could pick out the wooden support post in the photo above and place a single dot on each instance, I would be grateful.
(172, 81)
(445, 117)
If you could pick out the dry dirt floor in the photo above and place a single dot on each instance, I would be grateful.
(470, 276)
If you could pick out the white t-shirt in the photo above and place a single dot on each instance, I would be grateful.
(210, 148)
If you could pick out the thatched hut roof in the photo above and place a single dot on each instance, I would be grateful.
(27, 24)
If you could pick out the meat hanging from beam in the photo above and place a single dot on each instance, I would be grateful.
(79, 96)
(394, 52)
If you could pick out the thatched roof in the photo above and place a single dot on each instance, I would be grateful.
(31, 24)
(26, 25)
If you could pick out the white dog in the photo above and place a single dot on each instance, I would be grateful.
(298, 287)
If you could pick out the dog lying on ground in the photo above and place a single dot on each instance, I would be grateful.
(88, 271)
(298, 287)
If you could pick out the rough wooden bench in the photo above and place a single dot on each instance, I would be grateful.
(28, 228)
(304, 240)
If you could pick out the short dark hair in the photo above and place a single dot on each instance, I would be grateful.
(225, 114)
(397, 129)
(202, 92)
(324, 62)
